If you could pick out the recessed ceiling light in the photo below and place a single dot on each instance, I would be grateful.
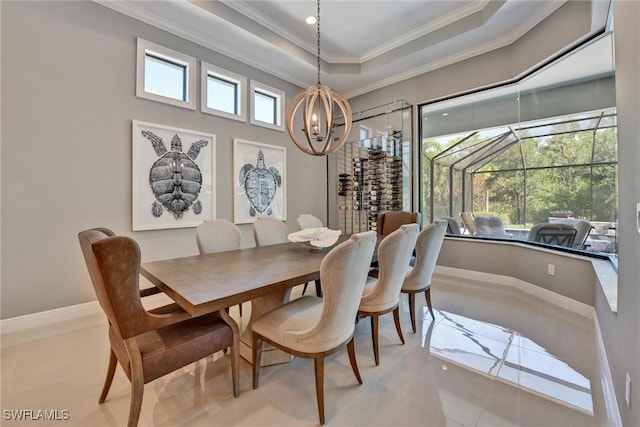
(445, 114)
(310, 20)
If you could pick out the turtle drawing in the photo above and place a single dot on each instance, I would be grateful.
(175, 178)
(260, 184)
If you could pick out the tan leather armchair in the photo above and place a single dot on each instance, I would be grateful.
(147, 344)
(390, 221)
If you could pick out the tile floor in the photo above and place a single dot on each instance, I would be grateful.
(494, 356)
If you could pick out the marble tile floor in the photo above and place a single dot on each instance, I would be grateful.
(494, 356)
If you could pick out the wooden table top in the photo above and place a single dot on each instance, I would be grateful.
(205, 283)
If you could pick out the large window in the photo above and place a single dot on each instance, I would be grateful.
(223, 92)
(532, 152)
(165, 75)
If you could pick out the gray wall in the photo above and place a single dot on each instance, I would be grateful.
(68, 98)
(620, 331)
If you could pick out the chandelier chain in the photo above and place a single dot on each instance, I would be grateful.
(318, 27)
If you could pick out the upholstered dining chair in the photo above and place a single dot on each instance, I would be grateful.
(382, 294)
(147, 344)
(418, 279)
(269, 231)
(218, 235)
(305, 221)
(313, 327)
(390, 221)
(308, 221)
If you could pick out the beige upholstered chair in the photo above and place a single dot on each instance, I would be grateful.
(305, 221)
(308, 221)
(419, 277)
(468, 221)
(147, 344)
(313, 327)
(269, 231)
(490, 226)
(390, 221)
(218, 235)
(382, 294)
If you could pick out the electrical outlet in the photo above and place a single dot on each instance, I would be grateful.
(551, 269)
(627, 391)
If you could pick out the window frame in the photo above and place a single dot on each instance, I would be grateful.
(145, 47)
(207, 70)
(279, 97)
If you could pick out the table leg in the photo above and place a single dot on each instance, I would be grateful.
(259, 306)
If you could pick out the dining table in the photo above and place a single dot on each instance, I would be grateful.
(264, 275)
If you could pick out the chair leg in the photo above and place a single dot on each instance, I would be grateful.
(137, 382)
(412, 310)
(319, 368)
(374, 337)
(257, 355)
(396, 318)
(111, 369)
(427, 296)
(351, 349)
(235, 365)
(318, 288)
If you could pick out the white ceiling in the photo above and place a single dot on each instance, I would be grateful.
(365, 44)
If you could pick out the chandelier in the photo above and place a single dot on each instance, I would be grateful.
(318, 105)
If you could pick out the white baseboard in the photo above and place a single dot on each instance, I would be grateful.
(20, 329)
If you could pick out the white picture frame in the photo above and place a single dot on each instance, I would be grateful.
(270, 179)
(166, 164)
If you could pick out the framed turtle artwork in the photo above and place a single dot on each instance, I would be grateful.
(173, 177)
(259, 172)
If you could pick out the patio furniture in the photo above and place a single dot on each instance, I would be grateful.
(553, 233)
(467, 220)
(489, 226)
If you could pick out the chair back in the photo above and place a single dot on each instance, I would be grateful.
(343, 273)
(394, 254)
(390, 221)
(453, 226)
(583, 229)
(113, 263)
(553, 233)
(308, 221)
(489, 226)
(218, 235)
(468, 221)
(428, 248)
(269, 231)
